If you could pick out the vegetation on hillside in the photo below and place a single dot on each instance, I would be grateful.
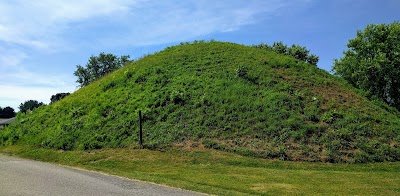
(225, 96)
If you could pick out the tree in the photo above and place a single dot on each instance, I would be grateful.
(279, 48)
(7, 112)
(372, 62)
(312, 59)
(99, 66)
(296, 51)
(29, 105)
(58, 97)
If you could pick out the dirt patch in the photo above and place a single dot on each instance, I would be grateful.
(189, 145)
(340, 96)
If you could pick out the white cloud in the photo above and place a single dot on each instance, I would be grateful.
(14, 95)
(29, 28)
(22, 86)
(25, 78)
(47, 24)
(162, 22)
(38, 23)
(10, 58)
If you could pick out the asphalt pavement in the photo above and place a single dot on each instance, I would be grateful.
(21, 177)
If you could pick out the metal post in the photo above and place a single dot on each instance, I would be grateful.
(140, 130)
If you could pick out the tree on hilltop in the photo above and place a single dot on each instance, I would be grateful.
(296, 51)
(99, 66)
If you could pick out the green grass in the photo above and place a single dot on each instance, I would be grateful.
(224, 96)
(222, 173)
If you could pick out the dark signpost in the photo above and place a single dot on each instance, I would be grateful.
(140, 130)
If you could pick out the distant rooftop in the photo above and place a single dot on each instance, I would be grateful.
(6, 121)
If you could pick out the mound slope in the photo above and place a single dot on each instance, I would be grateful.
(223, 96)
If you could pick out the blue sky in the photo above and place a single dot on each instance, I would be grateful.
(41, 42)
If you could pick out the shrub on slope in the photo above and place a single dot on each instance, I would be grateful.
(224, 96)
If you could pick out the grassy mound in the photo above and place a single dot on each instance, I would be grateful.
(223, 96)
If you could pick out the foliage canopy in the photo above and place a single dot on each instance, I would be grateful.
(296, 51)
(372, 62)
(29, 105)
(7, 112)
(99, 66)
(58, 97)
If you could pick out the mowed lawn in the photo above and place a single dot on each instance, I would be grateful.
(221, 173)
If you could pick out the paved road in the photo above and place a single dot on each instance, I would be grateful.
(22, 177)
